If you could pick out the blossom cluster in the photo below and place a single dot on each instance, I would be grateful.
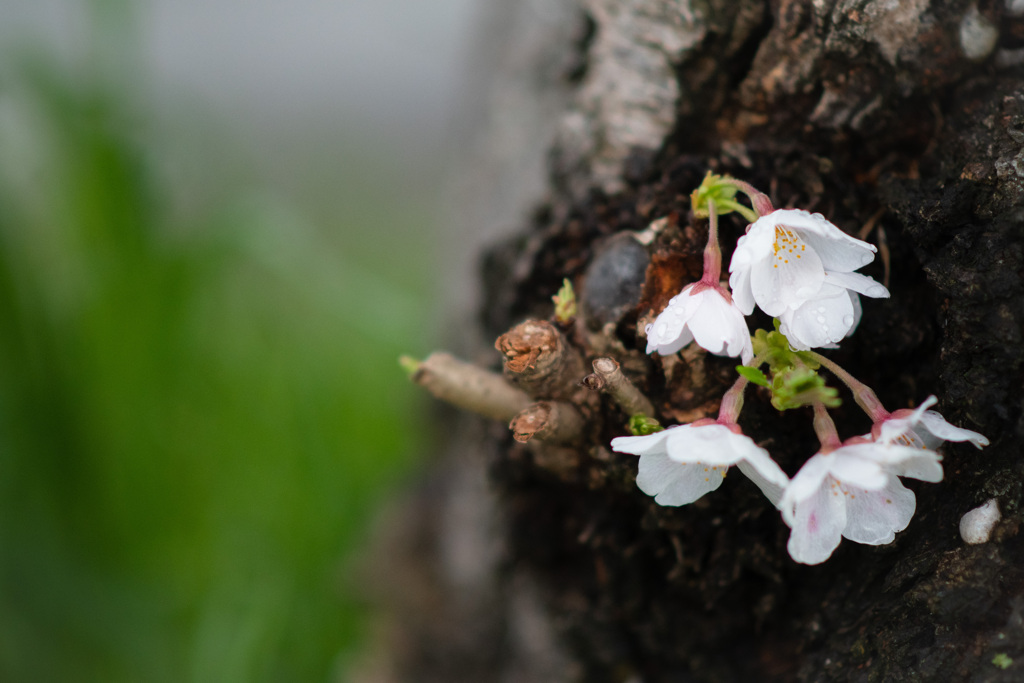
(800, 269)
(793, 265)
(851, 490)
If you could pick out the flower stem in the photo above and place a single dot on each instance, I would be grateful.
(731, 205)
(732, 402)
(759, 200)
(862, 393)
(712, 252)
(825, 428)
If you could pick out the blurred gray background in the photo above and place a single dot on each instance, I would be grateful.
(221, 222)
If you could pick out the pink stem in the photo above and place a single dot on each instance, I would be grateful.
(732, 402)
(712, 252)
(759, 200)
(862, 393)
(825, 428)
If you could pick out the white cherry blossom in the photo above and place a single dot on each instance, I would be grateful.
(923, 428)
(853, 492)
(680, 464)
(799, 267)
(832, 314)
(705, 314)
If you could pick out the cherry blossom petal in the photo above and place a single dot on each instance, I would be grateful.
(765, 473)
(670, 346)
(916, 463)
(938, 427)
(820, 321)
(904, 461)
(777, 286)
(669, 333)
(836, 250)
(742, 295)
(719, 327)
(672, 483)
(875, 517)
(856, 471)
(713, 444)
(862, 284)
(638, 445)
(753, 246)
(806, 484)
(817, 524)
(858, 311)
(903, 425)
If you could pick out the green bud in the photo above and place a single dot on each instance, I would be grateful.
(802, 386)
(723, 194)
(1002, 660)
(565, 302)
(641, 425)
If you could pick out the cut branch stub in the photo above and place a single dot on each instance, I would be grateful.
(470, 387)
(593, 381)
(538, 359)
(550, 421)
(618, 386)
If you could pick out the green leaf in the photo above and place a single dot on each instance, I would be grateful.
(1002, 660)
(754, 375)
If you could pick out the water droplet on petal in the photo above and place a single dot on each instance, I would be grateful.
(877, 291)
(662, 329)
(848, 320)
(821, 318)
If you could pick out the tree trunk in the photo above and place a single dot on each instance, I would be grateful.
(904, 118)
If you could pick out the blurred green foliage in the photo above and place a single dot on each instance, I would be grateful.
(197, 415)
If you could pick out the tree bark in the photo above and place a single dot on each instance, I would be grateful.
(906, 119)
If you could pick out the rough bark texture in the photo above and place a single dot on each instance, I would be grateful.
(908, 114)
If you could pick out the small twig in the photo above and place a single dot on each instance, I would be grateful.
(870, 224)
(883, 253)
(618, 386)
(470, 387)
(883, 244)
(540, 360)
(550, 421)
